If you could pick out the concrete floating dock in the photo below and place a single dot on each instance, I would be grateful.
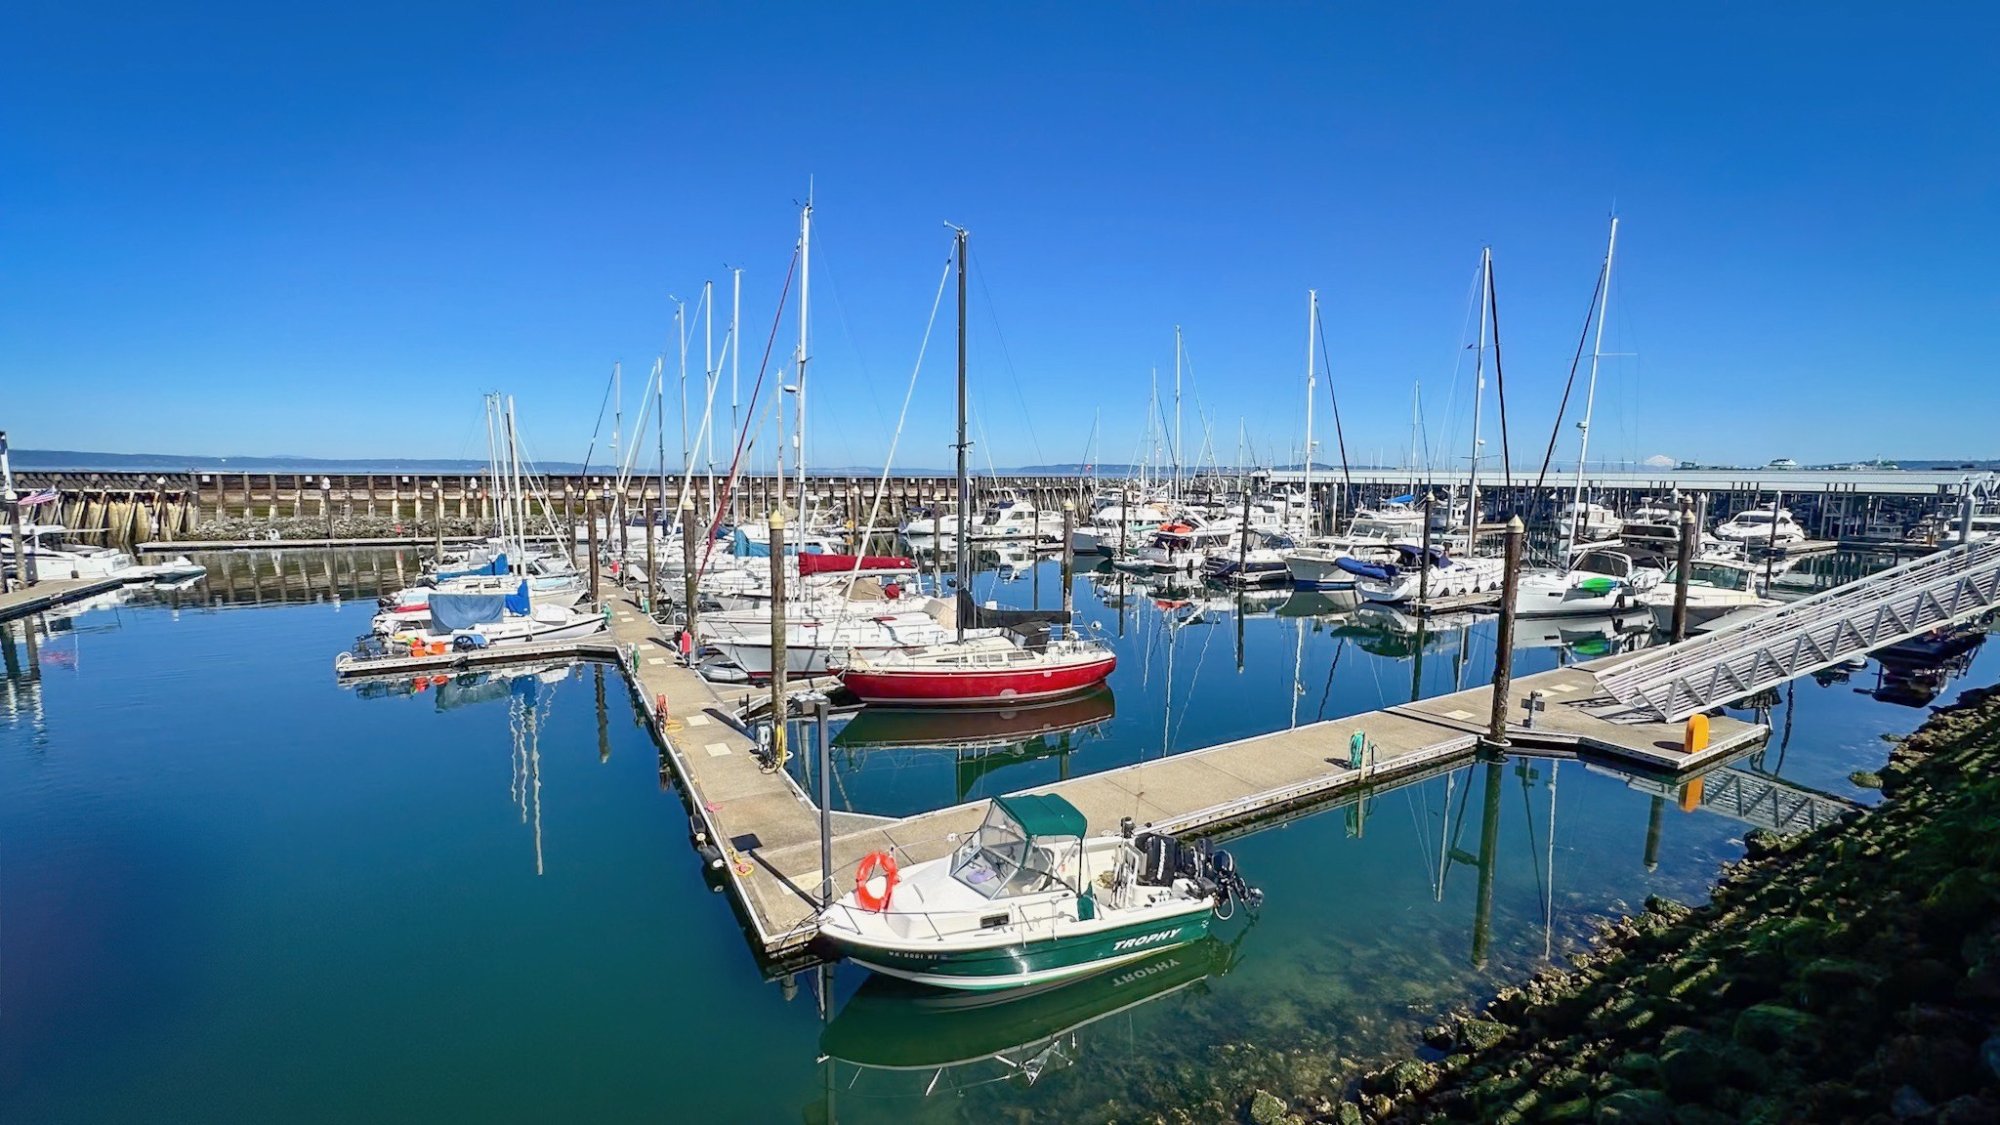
(768, 828)
(52, 592)
(348, 666)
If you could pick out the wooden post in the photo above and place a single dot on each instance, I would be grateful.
(1424, 565)
(437, 526)
(1068, 558)
(778, 658)
(1503, 653)
(590, 517)
(1771, 543)
(1683, 562)
(690, 576)
(825, 765)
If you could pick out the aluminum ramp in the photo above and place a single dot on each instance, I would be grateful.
(1669, 684)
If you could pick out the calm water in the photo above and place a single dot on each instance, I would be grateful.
(235, 891)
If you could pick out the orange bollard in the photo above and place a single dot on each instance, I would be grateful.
(1694, 739)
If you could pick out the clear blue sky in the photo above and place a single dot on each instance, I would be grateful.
(323, 232)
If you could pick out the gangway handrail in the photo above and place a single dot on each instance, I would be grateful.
(1821, 630)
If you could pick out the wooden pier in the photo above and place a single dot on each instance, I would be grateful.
(52, 592)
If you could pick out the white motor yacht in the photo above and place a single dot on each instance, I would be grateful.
(1761, 527)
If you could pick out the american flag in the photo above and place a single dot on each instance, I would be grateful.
(46, 495)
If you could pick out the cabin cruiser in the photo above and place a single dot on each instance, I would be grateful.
(822, 634)
(1371, 537)
(1589, 523)
(1262, 562)
(1984, 525)
(1413, 572)
(1115, 525)
(1007, 515)
(1031, 898)
(1599, 580)
(1761, 527)
(1716, 587)
(48, 550)
(1182, 547)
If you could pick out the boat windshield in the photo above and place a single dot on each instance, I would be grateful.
(1604, 562)
(1719, 576)
(1002, 859)
(1753, 517)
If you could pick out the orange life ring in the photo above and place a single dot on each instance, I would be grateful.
(872, 864)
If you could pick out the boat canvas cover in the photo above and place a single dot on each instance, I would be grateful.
(452, 612)
(1043, 815)
(975, 616)
(744, 547)
(495, 565)
(810, 564)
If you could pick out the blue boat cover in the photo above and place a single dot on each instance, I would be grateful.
(452, 612)
(1381, 572)
(497, 564)
(1405, 498)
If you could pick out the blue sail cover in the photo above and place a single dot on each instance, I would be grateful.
(744, 547)
(452, 612)
(496, 564)
(517, 602)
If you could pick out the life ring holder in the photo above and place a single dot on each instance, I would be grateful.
(873, 864)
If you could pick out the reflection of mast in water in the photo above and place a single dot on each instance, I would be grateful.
(526, 710)
(24, 680)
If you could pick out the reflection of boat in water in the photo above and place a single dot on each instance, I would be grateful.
(465, 688)
(962, 728)
(1914, 672)
(1587, 637)
(1383, 630)
(945, 1041)
(1317, 603)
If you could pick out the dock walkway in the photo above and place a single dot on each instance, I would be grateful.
(52, 592)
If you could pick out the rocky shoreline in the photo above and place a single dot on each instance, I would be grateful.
(1852, 974)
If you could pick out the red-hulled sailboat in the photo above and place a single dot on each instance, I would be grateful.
(1024, 662)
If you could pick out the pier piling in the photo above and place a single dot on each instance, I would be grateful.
(1503, 655)
(690, 577)
(1683, 559)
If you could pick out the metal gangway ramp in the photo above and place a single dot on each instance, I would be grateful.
(1669, 684)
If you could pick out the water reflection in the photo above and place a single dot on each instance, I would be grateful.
(894, 1040)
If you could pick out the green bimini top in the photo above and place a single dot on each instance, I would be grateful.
(1043, 815)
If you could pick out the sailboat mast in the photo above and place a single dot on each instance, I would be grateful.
(1312, 369)
(1478, 400)
(1590, 393)
(519, 500)
(708, 377)
(681, 332)
(964, 484)
(735, 375)
(618, 413)
(805, 286)
(1416, 416)
(1177, 411)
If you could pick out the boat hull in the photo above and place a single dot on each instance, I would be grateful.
(1016, 964)
(926, 688)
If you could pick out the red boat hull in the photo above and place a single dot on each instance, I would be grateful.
(963, 688)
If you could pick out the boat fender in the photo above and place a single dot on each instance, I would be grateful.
(875, 865)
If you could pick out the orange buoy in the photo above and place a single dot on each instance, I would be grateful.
(875, 865)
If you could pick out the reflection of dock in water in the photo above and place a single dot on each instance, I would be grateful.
(1755, 799)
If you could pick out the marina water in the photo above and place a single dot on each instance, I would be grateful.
(234, 890)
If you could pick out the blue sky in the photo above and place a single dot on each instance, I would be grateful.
(262, 230)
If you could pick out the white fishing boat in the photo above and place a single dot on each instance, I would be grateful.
(1761, 527)
(1412, 573)
(1029, 898)
(1716, 588)
(1600, 580)
(1112, 523)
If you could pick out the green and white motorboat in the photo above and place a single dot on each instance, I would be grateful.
(1030, 898)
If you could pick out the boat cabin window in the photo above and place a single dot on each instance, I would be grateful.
(1753, 517)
